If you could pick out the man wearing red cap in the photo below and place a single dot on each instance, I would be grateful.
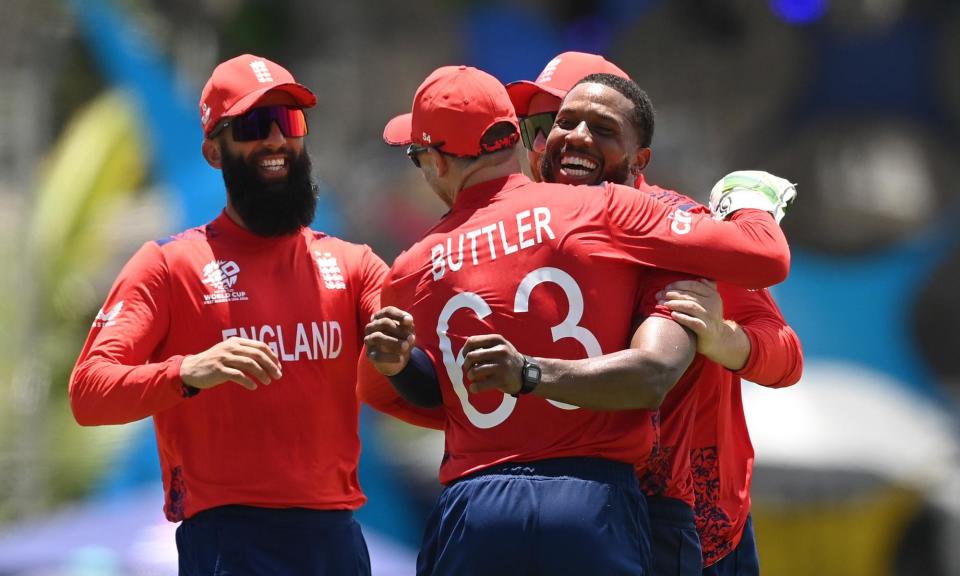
(240, 338)
(704, 422)
(540, 462)
(536, 101)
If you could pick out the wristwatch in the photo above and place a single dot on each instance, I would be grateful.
(529, 376)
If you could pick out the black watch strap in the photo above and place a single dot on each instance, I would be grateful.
(529, 376)
(188, 391)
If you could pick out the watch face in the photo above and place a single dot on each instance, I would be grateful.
(531, 372)
(534, 373)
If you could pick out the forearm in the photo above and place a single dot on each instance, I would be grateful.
(629, 379)
(776, 358)
(751, 252)
(732, 349)
(417, 383)
(104, 392)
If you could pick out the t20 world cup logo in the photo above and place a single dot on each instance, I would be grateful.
(221, 275)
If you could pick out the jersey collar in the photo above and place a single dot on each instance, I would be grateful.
(481, 194)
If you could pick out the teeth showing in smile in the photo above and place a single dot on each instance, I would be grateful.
(577, 165)
(273, 164)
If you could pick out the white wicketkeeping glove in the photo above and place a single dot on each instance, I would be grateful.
(751, 189)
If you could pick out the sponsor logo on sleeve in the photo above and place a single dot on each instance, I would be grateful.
(108, 318)
(330, 271)
(221, 276)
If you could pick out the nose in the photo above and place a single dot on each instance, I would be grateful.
(580, 133)
(275, 137)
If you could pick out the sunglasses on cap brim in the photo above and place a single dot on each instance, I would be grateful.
(531, 127)
(257, 123)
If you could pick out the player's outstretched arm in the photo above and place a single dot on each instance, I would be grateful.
(389, 338)
(749, 250)
(115, 380)
(637, 378)
(749, 336)
(390, 344)
(375, 390)
(776, 356)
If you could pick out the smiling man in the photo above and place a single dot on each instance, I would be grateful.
(240, 338)
(697, 482)
(519, 290)
(603, 131)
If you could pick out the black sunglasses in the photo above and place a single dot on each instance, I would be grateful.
(532, 126)
(414, 151)
(257, 123)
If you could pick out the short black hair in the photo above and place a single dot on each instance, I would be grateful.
(642, 114)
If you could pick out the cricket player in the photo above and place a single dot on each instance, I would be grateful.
(240, 338)
(704, 447)
(538, 443)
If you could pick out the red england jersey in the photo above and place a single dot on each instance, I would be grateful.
(553, 268)
(721, 453)
(293, 443)
(704, 456)
(667, 471)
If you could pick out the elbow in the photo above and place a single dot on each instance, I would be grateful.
(793, 375)
(86, 405)
(81, 411)
(778, 264)
(660, 380)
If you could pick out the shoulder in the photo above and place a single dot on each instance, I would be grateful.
(672, 198)
(321, 240)
(185, 239)
(330, 251)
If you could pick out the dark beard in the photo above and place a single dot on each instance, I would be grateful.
(274, 208)
(619, 174)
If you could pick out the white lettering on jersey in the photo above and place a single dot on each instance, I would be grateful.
(682, 221)
(510, 236)
(222, 275)
(319, 340)
(569, 328)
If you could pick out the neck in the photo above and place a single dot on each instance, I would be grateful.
(478, 174)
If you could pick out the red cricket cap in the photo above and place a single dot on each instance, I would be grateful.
(237, 84)
(455, 105)
(559, 76)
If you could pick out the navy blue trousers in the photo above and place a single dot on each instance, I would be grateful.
(235, 540)
(673, 534)
(742, 560)
(560, 516)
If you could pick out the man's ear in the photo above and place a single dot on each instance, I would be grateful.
(640, 160)
(211, 151)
